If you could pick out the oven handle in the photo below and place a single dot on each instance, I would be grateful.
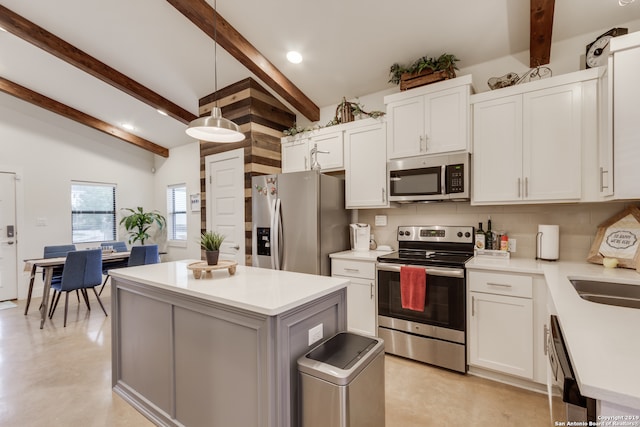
(447, 272)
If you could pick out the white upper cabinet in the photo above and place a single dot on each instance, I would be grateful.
(330, 151)
(529, 145)
(626, 125)
(295, 154)
(430, 119)
(366, 166)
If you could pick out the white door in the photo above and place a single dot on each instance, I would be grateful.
(446, 120)
(225, 202)
(8, 245)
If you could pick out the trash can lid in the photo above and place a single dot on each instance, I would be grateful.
(343, 350)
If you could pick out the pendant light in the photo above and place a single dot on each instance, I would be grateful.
(215, 128)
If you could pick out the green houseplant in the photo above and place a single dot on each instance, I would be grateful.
(445, 62)
(211, 241)
(138, 223)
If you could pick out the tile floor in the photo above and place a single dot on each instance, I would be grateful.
(62, 377)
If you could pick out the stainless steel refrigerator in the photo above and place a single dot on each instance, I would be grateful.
(298, 219)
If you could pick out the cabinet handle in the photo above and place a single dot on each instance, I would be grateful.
(473, 306)
(371, 289)
(519, 188)
(305, 163)
(602, 172)
(546, 340)
(384, 197)
(503, 285)
(526, 187)
(355, 270)
(421, 141)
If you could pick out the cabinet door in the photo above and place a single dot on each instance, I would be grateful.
(405, 133)
(295, 156)
(361, 306)
(552, 129)
(445, 120)
(366, 167)
(330, 151)
(501, 334)
(497, 150)
(626, 127)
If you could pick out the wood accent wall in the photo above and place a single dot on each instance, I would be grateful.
(261, 118)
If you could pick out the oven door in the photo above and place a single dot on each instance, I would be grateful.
(445, 306)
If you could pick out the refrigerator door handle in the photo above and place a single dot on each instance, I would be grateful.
(276, 240)
(272, 225)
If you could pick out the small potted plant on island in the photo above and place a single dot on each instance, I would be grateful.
(211, 241)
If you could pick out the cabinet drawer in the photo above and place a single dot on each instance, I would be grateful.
(362, 269)
(516, 285)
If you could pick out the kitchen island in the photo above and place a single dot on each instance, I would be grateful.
(220, 350)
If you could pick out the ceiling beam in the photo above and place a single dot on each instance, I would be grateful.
(52, 105)
(59, 48)
(203, 15)
(541, 28)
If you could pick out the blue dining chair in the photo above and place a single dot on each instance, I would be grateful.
(146, 254)
(51, 252)
(117, 247)
(82, 270)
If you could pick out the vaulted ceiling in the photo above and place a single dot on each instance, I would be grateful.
(149, 54)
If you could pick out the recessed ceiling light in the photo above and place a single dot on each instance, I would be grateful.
(162, 112)
(294, 57)
(128, 126)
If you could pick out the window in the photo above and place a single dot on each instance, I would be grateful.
(93, 212)
(177, 212)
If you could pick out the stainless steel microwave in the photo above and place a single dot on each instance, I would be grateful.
(429, 178)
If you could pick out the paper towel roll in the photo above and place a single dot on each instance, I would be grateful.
(548, 242)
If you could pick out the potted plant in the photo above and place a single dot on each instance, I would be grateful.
(423, 71)
(139, 222)
(211, 241)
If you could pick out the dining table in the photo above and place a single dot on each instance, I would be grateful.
(48, 265)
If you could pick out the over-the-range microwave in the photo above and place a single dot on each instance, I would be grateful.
(429, 178)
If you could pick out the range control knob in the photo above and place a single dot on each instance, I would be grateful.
(459, 233)
(401, 233)
(407, 233)
(467, 234)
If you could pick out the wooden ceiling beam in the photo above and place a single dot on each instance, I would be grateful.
(59, 48)
(203, 15)
(52, 105)
(541, 28)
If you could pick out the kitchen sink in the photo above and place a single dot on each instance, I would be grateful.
(611, 293)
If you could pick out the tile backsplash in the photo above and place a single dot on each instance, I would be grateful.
(578, 222)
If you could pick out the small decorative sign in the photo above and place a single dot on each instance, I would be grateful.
(195, 202)
(618, 237)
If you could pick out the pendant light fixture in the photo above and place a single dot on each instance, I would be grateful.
(215, 128)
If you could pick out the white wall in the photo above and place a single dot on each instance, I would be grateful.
(49, 152)
(182, 167)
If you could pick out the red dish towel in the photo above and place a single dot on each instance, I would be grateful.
(413, 288)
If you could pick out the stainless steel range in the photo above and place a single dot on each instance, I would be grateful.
(435, 335)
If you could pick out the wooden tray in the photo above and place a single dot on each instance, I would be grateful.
(201, 269)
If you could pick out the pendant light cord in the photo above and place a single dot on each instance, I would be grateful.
(215, 51)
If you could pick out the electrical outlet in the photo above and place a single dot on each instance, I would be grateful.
(512, 245)
(315, 334)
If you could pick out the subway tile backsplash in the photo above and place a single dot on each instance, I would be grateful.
(578, 222)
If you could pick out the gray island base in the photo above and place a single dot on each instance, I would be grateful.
(221, 351)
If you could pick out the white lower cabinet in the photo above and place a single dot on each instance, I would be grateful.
(361, 293)
(506, 315)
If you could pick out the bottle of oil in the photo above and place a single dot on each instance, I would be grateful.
(480, 237)
(488, 239)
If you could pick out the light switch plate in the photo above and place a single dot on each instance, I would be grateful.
(512, 245)
(381, 220)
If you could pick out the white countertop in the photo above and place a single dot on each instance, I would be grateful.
(360, 255)
(260, 290)
(603, 340)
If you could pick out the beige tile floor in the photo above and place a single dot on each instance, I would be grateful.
(62, 377)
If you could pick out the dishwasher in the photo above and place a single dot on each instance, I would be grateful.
(574, 406)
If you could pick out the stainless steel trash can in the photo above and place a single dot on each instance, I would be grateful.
(342, 383)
